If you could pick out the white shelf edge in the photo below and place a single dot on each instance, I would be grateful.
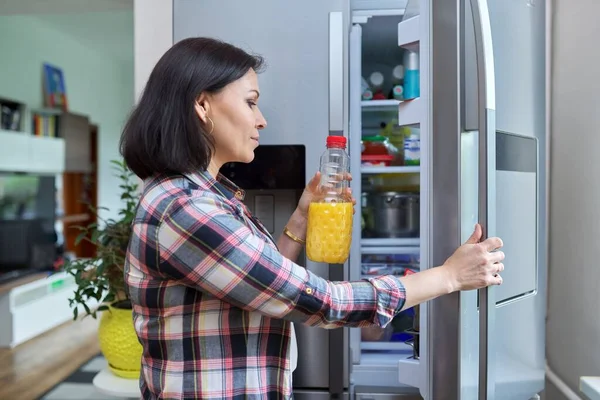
(409, 112)
(590, 386)
(376, 374)
(393, 242)
(409, 372)
(25, 152)
(378, 12)
(29, 135)
(390, 250)
(390, 105)
(15, 132)
(408, 33)
(391, 170)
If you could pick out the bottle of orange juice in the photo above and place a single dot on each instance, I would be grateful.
(329, 231)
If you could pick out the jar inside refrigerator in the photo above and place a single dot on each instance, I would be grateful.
(377, 150)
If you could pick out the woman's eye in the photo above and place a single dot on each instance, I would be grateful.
(251, 103)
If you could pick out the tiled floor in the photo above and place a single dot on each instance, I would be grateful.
(79, 385)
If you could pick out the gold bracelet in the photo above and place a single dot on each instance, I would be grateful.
(292, 236)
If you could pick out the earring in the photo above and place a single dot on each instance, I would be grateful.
(212, 125)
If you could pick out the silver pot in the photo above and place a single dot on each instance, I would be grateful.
(395, 214)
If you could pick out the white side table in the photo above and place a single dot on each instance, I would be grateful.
(108, 383)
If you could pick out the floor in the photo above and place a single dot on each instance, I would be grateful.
(79, 386)
(31, 369)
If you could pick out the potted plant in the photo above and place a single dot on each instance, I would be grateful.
(100, 280)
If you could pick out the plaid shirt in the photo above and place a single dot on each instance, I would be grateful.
(213, 299)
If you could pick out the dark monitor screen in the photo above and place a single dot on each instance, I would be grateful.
(274, 167)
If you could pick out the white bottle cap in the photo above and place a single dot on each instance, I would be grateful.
(376, 79)
(398, 72)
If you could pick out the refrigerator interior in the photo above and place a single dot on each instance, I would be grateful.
(390, 225)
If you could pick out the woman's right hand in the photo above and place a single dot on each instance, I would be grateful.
(475, 264)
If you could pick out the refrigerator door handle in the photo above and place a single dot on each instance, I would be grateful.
(336, 73)
(486, 116)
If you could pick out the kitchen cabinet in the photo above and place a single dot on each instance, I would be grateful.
(74, 129)
(23, 152)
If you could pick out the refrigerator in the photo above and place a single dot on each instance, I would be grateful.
(471, 146)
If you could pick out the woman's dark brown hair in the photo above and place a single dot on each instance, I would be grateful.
(163, 133)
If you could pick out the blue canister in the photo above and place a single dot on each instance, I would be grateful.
(411, 75)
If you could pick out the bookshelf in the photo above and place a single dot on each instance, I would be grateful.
(62, 143)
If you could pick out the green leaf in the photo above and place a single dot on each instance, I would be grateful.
(80, 237)
(109, 298)
(110, 237)
(95, 236)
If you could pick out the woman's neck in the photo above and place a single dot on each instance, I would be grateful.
(213, 168)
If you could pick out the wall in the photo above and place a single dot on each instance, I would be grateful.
(98, 72)
(574, 299)
(153, 27)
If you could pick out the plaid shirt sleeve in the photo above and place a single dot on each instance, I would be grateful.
(204, 243)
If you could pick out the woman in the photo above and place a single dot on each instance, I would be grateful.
(214, 296)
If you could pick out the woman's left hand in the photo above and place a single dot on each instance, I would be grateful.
(311, 191)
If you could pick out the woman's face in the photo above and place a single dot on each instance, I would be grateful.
(236, 117)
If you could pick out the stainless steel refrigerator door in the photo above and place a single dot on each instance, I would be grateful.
(463, 186)
(304, 99)
(486, 128)
(520, 103)
(453, 354)
(515, 331)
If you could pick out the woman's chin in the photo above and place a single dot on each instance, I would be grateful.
(248, 157)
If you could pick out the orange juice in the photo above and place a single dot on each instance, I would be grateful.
(329, 232)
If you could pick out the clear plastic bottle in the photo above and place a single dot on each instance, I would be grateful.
(329, 232)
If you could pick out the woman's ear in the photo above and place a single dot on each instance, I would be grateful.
(202, 107)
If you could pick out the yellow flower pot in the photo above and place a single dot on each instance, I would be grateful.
(119, 343)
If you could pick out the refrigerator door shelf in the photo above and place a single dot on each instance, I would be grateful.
(409, 33)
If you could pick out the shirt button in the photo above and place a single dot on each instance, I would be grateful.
(308, 290)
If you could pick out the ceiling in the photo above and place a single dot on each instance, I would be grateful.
(14, 7)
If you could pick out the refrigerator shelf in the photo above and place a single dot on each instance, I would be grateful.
(393, 242)
(380, 105)
(390, 250)
(391, 170)
(387, 346)
(409, 372)
(409, 32)
(409, 112)
(383, 374)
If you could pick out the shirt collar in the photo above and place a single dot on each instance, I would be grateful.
(221, 185)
